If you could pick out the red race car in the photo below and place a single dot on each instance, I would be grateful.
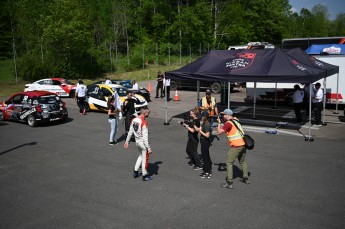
(34, 107)
(59, 86)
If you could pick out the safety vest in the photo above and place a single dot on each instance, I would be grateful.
(206, 105)
(234, 135)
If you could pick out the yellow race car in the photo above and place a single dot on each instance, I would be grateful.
(97, 96)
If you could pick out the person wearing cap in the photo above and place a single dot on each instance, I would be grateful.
(209, 102)
(298, 96)
(193, 139)
(205, 142)
(317, 103)
(237, 147)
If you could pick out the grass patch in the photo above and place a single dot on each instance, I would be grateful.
(8, 85)
(7, 71)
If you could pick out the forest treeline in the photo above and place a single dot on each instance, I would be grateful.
(74, 38)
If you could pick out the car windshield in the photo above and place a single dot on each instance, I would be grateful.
(48, 99)
(68, 82)
(120, 90)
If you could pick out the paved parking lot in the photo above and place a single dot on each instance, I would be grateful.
(67, 176)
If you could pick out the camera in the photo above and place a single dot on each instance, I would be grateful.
(186, 120)
(219, 116)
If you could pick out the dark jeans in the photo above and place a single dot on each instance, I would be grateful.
(80, 103)
(128, 122)
(192, 151)
(298, 107)
(317, 109)
(159, 87)
(205, 152)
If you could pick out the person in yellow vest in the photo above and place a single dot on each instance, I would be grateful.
(209, 103)
(237, 147)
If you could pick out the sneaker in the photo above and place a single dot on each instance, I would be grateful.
(147, 178)
(317, 125)
(111, 143)
(206, 175)
(197, 168)
(191, 164)
(245, 180)
(226, 185)
(136, 174)
(202, 174)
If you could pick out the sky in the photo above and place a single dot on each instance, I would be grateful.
(334, 6)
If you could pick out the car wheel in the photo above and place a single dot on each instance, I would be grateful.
(173, 85)
(32, 121)
(215, 87)
(72, 93)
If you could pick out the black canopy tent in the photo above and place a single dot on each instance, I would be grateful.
(249, 65)
(258, 65)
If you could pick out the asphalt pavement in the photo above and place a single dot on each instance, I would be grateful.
(67, 175)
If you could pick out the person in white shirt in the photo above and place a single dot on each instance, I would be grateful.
(167, 86)
(298, 102)
(80, 96)
(135, 85)
(139, 128)
(107, 81)
(317, 103)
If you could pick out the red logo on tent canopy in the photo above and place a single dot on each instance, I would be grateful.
(241, 61)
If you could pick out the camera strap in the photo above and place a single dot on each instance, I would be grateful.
(234, 122)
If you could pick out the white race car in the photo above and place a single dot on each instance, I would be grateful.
(59, 86)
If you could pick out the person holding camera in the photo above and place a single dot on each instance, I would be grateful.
(205, 134)
(237, 147)
(193, 139)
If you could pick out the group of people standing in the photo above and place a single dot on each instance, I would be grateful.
(301, 100)
(202, 132)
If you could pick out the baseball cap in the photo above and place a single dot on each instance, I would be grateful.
(208, 92)
(205, 114)
(227, 112)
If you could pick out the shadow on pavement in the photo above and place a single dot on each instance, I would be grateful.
(17, 147)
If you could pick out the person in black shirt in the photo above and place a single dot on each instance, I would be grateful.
(193, 139)
(160, 78)
(205, 135)
(129, 110)
(112, 113)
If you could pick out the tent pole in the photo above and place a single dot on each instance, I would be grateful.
(166, 107)
(337, 99)
(198, 92)
(309, 138)
(229, 95)
(324, 101)
(275, 97)
(254, 101)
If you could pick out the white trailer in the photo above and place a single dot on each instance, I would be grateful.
(281, 91)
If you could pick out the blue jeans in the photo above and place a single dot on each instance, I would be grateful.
(113, 126)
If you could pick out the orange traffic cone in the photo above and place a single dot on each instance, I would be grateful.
(176, 98)
(149, 87)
